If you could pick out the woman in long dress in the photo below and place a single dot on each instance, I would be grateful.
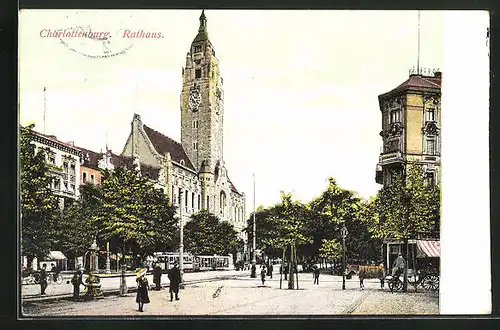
(142, 290)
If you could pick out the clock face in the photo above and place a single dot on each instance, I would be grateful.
(194, 99)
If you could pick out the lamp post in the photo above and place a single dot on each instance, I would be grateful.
(181, 241)
(123, 282)
(343, 234)
(108, 262)
(253, 273)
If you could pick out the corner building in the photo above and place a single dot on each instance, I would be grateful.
(195, 167)
(411, 128)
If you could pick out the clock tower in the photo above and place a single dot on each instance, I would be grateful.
(202, 103)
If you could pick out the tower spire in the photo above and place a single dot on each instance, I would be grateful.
(203, 22)
(418, 51)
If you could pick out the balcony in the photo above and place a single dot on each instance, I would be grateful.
(390, 157)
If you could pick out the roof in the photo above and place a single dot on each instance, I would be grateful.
(419, 83)
(92, 161)
(233, 188)
(163, 144)
(54, 139)
(128, 162)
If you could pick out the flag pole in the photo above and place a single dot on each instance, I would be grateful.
(254, 261)
(418, 51)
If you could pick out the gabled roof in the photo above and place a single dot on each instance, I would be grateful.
(418, 83)
(163, 144)
(128, 162)
(92, 161)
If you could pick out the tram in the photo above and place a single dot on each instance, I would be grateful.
(194, 263)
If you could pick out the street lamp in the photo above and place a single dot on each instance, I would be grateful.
(343, 234)
(181, 242)
(253, 272)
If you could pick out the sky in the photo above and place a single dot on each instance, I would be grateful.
(300, 87)
(301, 102)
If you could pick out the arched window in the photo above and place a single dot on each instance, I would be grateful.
(222, 203)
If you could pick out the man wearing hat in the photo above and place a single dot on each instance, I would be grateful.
(174, 275)
(142, 289)
(398, 266)
(157, 276)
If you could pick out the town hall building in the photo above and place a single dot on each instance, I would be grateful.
(192, 172)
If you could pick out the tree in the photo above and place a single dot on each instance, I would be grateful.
(288, 220)
(74, 230)
(133, 213)
(205, 234)
(330, 249)
(406, 208)
(335, 207)
(38, 205)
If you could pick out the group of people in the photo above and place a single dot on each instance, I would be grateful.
(174, 275)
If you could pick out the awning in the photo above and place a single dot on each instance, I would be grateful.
(56, 255)
(429, 248)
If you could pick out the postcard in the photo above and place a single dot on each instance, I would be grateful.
(286, 163)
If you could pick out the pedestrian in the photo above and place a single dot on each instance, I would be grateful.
(142, 289)
(43, 279)
(316, 275)
(398, 266)
(271, 270)
(174, 275)
(263, 274)
(76, 280)
(253, 270)
(157, 276)
(55, 272)
(381, 275)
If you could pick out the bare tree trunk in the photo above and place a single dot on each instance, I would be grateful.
(296, 263)
(282, 270)
(405, 282)
(291, 283)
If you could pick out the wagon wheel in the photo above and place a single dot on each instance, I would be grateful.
(431, 282)
(395, 284)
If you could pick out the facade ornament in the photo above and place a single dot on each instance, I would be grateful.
(431, 100)
(430, 128)
(394, 130)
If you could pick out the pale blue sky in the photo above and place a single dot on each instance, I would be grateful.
(301, 87)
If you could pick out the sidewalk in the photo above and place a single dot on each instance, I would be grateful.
(111, 284)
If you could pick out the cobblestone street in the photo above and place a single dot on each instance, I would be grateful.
(246, 296)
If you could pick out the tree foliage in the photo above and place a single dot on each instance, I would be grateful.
(74, 229)
(134, 213)
(406, 207)
(330, 249)
(205, 234)
(38, 204)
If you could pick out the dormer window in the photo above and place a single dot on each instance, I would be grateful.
(197, 49)
(182, 162)
(430, 114)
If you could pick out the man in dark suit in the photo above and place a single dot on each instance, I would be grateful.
(174, 275)
(157, 276)
(43, 279)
